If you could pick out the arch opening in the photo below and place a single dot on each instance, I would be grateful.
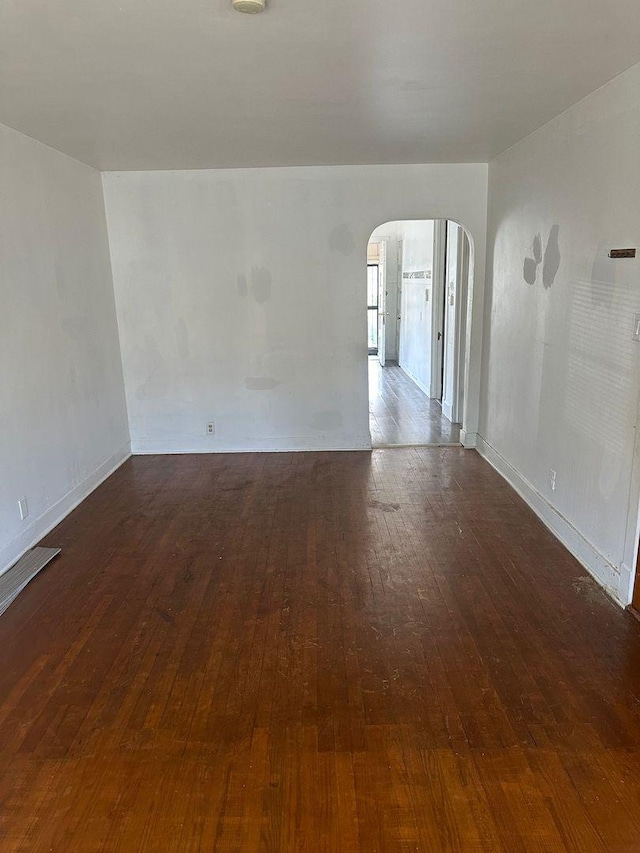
(419, 313)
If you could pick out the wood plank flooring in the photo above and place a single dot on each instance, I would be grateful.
(401, 414)
(316, 652)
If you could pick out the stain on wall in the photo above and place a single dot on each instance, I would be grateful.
(552, 258)
(341, 240)
(530, 270)
(261, 383)
(537, 248)
(550, 262)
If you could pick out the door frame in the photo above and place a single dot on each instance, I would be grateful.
(456, 402)
(399, 261)
(476, 236)
(382, 302)
(375, 307)
(438, 292)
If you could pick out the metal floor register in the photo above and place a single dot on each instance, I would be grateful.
(14, 581)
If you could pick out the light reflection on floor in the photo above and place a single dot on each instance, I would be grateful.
(401, 413)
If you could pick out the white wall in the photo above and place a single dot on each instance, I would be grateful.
(63, 421)
(561, 371)
(241, 297)
(416, 309)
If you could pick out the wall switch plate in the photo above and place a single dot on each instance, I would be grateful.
(552, 480)
(636, 327)
(211, 428)
(23, 508)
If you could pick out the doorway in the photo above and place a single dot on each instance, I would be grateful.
(417, 272)
(373, 284)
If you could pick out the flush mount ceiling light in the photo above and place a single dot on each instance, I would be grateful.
(251, 7)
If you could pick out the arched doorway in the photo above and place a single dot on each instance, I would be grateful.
(418, 286)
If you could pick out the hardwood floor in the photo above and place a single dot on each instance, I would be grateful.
(316, 652)
(401, 414)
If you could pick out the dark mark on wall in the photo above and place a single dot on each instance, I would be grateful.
(530, 270)
(260, 383)
(552, 258)
(550, 262)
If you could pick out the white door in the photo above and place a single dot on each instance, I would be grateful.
(456, 275)
(438, 308)
(382, 303)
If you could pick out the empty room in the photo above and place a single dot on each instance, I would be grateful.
(319, 404)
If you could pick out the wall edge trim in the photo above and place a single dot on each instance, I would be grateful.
(288, 444)
(416, 381)
(468, 439)
(601, 569)
(57, 512)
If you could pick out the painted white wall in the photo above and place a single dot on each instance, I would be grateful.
(416, 308)
(63, 420)
(241, 297)
(561, 372)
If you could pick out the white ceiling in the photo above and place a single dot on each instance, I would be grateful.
(175, 84)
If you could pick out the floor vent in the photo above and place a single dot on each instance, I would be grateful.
(14, 581)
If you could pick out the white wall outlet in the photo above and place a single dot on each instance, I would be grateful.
(636, 327)
(23, 508)
(552, 480)
(211, 428)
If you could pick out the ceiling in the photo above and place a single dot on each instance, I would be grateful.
(183, 84)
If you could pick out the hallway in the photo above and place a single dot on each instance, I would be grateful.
(357, 651)
(400, 413)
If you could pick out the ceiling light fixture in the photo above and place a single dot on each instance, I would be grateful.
(251, 7)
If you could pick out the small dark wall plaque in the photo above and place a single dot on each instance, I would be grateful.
(622, 253)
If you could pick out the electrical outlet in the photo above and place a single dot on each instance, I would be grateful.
(552, 480)
(211, 428)
(23, 508)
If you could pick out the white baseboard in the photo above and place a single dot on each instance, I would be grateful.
(626, 585)
(289, 444)
(468, 439)
(11, 553)
(415, 380)
(601, 569)
(447, 410)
